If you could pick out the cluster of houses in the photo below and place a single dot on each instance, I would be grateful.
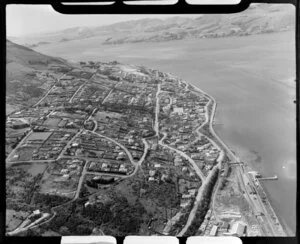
(65, 169)
(93, 146)
(17, 123)
(52, 146)
(133, 95)
(42, 145)
(157, 172)
(110, 166)
(188, 190)
(62, 92)
(100, 198)
(117, 71)
(185, 112)
(99, 181)
(30, 115)
(107, 156)
(129, 128)
(91, 94)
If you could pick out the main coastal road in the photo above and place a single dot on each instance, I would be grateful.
(257, 206)
(242, 175)
(205, 180)
(199, 198)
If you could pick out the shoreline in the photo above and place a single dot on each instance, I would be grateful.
(252, 167)
(283, 225)
(287, 229)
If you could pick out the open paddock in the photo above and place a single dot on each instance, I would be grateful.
(14, 218)
(39, 136)
(52, 122)
(23, 154)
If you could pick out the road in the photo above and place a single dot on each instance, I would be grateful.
(198, 200)
(83, 173)
(184, 155)
(8, 159)
(48, 91)
(156, 129)
(199, 197)
(204, 180)
(120, 145)
(157, 108)
(110, 92)
(135, 164)
(68, 144)
(146, 148)
(240, 169)
(23, 140)
(30, 161)
(71, 99)
(21, 228)
(75, 93)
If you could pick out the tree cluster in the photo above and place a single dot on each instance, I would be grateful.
(203, 206)
(47, 201)
(117, 216)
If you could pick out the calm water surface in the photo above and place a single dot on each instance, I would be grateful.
(252, 80)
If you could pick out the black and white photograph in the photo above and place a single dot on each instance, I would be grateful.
(175, 125)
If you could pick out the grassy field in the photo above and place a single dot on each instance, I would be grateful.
(53, 122)
(24, 153)
(112, 115)
(14, 218)
(39, 136)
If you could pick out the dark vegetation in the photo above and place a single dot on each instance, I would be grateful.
(20, 185)
(182, 221)
(114, 218)
(47, 201)
(19, 206)
(84, 192)
(163, 193)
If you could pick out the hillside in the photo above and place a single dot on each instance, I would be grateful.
(257, 19)
(17, 54)
(26, 78)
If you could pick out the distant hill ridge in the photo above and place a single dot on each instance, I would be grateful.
(257, 19)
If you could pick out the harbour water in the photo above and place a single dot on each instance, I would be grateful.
(252, 80)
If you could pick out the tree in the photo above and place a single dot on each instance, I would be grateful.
(64, 231)
(83, 230)
(83, 192)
